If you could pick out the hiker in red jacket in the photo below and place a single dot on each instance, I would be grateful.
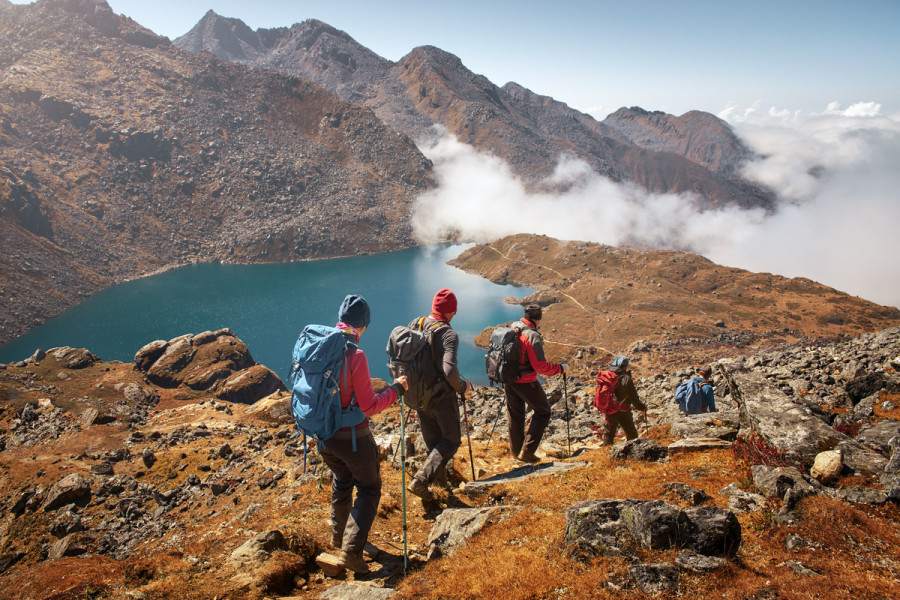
(351, 455)
(527, 391)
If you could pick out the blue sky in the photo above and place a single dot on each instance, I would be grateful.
(600, 55)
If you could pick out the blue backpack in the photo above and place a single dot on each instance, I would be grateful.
(319, 358)
(688, 398)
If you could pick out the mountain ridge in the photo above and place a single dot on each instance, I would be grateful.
(429, 86)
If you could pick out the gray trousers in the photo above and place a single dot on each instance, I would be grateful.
(360, 469)
(520, 397)
(440, 432)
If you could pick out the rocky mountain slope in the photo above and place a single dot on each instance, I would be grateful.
(121, 154)
(693, 153)
(128, 481)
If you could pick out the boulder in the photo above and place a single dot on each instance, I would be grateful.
(275, 407)
(73, 488)
(250, 385)
(827, 466)
(790, 427)
(890, 479)
(259, 548)
(688, 560)
(610, 527)
(351, 591)
(774, 482)
(878, 436)
(455, 526)
(644, 449)
(147, 355)
(655, 578)
(689, 494)
(74, 358)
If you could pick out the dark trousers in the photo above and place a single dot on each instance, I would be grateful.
(359, 469)
(520, 397)
(622, 419)
(440, 432)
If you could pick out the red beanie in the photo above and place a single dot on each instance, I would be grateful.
(444, 302)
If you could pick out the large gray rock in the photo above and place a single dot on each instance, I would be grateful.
(790, 427)
(354, 591)
(890, 479)
(774, 482)
(654, 578)
(455, 526)
(603, 528)
(70, 489)
(643, 449)
(878, 436)
(259, 548)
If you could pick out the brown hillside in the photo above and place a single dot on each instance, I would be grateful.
(121, 154)
(670, 308)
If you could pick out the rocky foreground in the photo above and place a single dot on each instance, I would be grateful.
(159, 479)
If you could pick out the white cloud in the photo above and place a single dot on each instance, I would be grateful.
(836, 173)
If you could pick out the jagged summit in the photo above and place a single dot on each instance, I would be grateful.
(430, 86)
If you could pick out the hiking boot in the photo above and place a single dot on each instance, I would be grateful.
(337, 540)
(353, 561)
(529, 457)
(420, 489)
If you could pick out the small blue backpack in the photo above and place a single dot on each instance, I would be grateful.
(688, 398)
(319, 358)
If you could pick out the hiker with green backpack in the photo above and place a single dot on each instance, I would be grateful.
(332, 399)
(436, 401)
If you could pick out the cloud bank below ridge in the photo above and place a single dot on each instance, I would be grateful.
(835, 174)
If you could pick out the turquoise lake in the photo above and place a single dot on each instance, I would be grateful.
(268, 305)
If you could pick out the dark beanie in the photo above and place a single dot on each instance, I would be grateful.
(444, 302)
(354, 311)
(533, 312)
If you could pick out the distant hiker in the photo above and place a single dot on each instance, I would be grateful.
(439, 418)
(696, 395)
(351, 453)
(526, 391)
(626, 398)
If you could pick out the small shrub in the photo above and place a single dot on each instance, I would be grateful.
(755, 450)
(848, 429)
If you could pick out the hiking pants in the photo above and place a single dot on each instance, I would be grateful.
(440, 432)
(359, 469)
(519, 396)
(622, 419)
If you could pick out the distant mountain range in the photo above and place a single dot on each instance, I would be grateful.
(696, 152)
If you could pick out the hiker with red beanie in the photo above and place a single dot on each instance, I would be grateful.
(440, 419)
(527, 391)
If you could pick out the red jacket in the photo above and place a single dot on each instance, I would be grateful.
(532, 345)
(359, 382)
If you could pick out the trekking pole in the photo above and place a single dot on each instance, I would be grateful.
(468, 435)
(566, 399)
(403, 476)
(497, 420)
(402, 426)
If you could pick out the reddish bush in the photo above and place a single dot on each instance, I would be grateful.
(757, 451)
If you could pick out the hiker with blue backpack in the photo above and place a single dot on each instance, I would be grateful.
(332, 400)
(696, 395)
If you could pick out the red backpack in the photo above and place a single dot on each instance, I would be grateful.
(605, 397)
